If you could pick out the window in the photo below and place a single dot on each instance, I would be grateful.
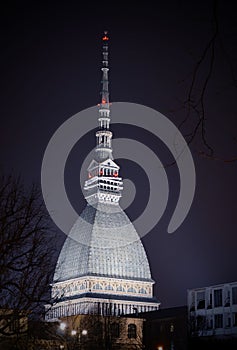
(14, 325)
(219, 321)
(201, 323)
(132, 331)
(217, 297)
(120, 289)
(97, 286)
(227, 321)
(234, 295)
(235, 319)
(209, 322)
(109, 287)
(201, 300)
(114, 330)
(142, 291)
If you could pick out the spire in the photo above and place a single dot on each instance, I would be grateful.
(104, 135)
(105, 70)
(104, 183)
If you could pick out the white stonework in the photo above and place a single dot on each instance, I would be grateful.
(112, 286)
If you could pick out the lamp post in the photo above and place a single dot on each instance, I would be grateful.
(82, 335)
(74, 338)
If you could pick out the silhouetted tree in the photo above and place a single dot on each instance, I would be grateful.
(199, 83)
(26, 253)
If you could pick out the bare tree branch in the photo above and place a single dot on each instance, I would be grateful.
(26, 251)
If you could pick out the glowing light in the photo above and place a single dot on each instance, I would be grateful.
(84, 332)
(62, 326)
(103, 101)
(73, 332)
(105, 38)
(115, 174)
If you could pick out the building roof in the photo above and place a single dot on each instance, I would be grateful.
(103, 242)
(172, 312)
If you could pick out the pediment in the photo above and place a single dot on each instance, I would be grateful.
(109, 163)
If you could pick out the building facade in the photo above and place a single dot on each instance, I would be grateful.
(102, 267)
(213, 311)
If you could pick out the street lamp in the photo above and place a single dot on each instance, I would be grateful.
(62, 326)
(84, 332)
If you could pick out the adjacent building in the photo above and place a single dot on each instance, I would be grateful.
(213, 310)
(166, 329)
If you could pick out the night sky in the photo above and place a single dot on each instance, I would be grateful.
(50, 70)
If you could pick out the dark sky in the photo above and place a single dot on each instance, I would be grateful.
(50, 70)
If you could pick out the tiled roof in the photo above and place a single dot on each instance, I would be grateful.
(103, 242)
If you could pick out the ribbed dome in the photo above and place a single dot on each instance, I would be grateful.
(103, 242)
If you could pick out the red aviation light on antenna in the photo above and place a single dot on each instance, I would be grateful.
(105, 38)
(103, 101)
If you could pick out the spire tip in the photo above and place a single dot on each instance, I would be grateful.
(105, 37)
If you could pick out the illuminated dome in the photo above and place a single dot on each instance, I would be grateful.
(103, 242)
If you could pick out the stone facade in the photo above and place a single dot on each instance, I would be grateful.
(88, 332)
